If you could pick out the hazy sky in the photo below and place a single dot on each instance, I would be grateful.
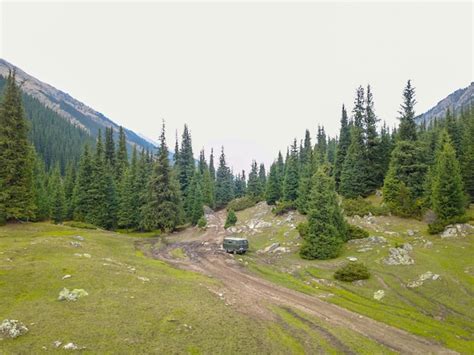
(249, 76)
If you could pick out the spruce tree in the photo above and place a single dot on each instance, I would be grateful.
(82, 195)
(291, 179)
(16, 157)
(69, 183)
(58, 205)
(208, 189)
(212, 169)
(122, 155)
(253, 186)
(231, 219)
(326, 226)
(162, 209)
(467, 156)
(448, 192)
(407, 128)
(41, 195)
(273, 191)
(321, 147)
(186, 164)
(128, 204)
(372, 145)
(224, 183)
(197, 210)
(109, 150)
(262, 179)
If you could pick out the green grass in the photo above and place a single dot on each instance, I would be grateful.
(442, 310)
(122, 313)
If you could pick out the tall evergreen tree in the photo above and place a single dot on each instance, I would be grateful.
(291, 179)
(254, 188)
(109, 152)
(212, 169)
(321, 147)
(122, 155)
(224, 183)
(69, 183)
(326, 226)
(129, 203)
(467, 155)
(41, 195)
(448, 193)
(16, 157)
(407, 128)
(58, 205)
(262, 179)
(372, 145)
(162, 209)
(273, 190)
(82, 196)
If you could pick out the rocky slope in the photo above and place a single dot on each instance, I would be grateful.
(458, 100)
(67, 107)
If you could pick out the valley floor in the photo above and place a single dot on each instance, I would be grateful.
(181, 293)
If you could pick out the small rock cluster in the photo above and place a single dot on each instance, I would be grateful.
(457, 230)
(400, 256)
(74, 295)
(12, 328)
(274, 248)
(378, 295)
(422, 278)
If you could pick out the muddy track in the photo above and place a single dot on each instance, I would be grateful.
(253, 295)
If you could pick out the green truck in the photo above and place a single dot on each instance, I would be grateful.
(235, 245)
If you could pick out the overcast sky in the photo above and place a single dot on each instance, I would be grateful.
(249, 76)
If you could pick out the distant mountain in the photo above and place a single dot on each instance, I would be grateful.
(458, 100)
(68, 108)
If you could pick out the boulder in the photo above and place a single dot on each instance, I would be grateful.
(271, 248)
(78, 237)
(281, 250)
(457, 230)
(378, 295)
(352, 258)
(65, 277)
(400, 256)
(12, 328)
(70, 346)
(76, 244)
(410, 232)
(74, 295)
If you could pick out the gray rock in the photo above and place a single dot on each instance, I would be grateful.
(74, 295)
(378, 295)
(65, 277)
(352, 258)
(76, 244)
(57, 343)
(457, 230)
(399, 256)
(12, 328)
(70, 346)
(410, 232)
(78, 237)
(271, 248)
(363, 250)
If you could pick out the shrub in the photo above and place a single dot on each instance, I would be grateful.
(439, 225)
(241, 203)
(351, 272)
(202, 222)
(283, 207)
(82, 225)
(302, 228)
(361, 207)
(231, 219)
(355, 232)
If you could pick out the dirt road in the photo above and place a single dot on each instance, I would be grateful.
(252, 294)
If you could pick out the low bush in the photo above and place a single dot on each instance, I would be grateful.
(355, 232)
(439, 225)
(82, 225)
(241, 203)
(302, 228)
(283, 207)
(361, 207)
(352, 271)
(202, 223)
(231, 219)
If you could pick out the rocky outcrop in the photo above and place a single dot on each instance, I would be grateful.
(12, 328)
(457, 230)
(400, 256)
(74, 295)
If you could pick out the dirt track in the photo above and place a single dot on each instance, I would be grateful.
(253, 294)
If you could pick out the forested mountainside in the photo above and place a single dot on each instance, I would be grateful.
(455, 102)
(56, 140)
(67, 108)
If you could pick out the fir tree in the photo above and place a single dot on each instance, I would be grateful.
(254, 187)
(262, 179)
(326, 226)
(407, 128)
(197, 210)
(82, 196)
(448, 193)
(208, 189)
(186, 164)
(202, 165)
(16, 157)
(109, 152)
(69, 183)
(128, 204)
(291, 179)
(41, 195)
(273, 191)
(467, 156)
(162, 209)
(57, 197)
(231, 219)
(122, 155)
(212, 169)
(224, 183)
(372, 145)
(321, 147)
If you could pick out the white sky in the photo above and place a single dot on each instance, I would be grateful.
(249, 76)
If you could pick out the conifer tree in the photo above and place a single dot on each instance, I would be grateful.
(291, 179)
(385, 149)
(41, 195)
(197, 210)
(326, 226)
(162, 209)
(16, 157)
(467, 156)
(129, 203)
(254, 187)
(407, 128)
(262, 179)
(57, 197)
(176, 152)
(212, 169)
(186, 164)
(82, 195)
(109, 152)
(273, 190)
(208, 189)
(122, 155)
(448, 193)
(307, 170)
(69, 183)
(321, 147)
(372, 145)
(231, 219)
(202, 165)
(224, 183)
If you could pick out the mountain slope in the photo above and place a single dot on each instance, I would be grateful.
(457, 101)
(68, 108)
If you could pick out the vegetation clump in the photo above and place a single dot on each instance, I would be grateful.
(231, 219)
(355, 232)
(202, 223)
(283, 207)
(241, 203)
(362, 207)
(352, 271)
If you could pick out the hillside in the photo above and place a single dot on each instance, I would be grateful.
(70, 110)
(457, 101)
